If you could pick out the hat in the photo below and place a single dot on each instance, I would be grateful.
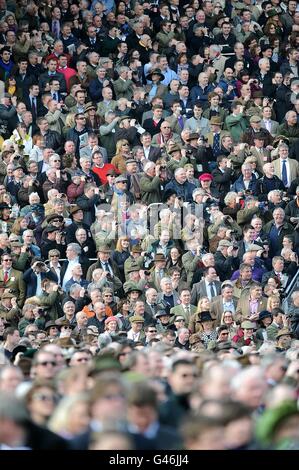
(193, 136)
(238, 6)
(92, 330)
(206, 177)
(284, 332)
(258, 135)
(247, 325)
(178, 318)
(17, 167)
(227, 283)
(136, 318)
(168, 193)
(257, 94)
(133, 268)
(265, 47)
(64, 323)
(155, 72)
(216, 120)
(174, 148)
(51, 217)
(7, 295)
(4, 205)
(205, 316)
(163, 313)
(159, 257)
(278, 138)
(224, 243)
(75, 209)
(136, 249)
(51, 323)
(7, 95)
(105, 362)
(50, 229)
(104, 249)
(272, 13)
(255, 118)
(254, 247)
(120, 179)
(89, 106)
(264, 314)
(132, 287)
(110, 319)
(122, 118)
(130, 160)
(111, 173)
(16, 244)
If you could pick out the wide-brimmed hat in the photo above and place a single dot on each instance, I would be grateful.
(50, 324)
(174, 148)
(216, 120)
(51, 217)
(205, 316)
(283, 332)
(248, 325)
(89, 106)
(104, 249)
(136, 318)
(132, 287)
(75, 209)
(163, 313)
(193, 136)
(264, 314)
(155, 72)
(159, 257)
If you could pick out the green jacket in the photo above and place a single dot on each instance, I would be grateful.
(272, 331)
(292, 133)
(236, 125)
(150, 189)
(190, 263)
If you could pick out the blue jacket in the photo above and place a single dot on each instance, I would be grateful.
(183, 190)
(239, 184)
(199, 94)
(30, 279)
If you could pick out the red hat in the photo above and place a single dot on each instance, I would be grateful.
(110, 319)
(205, 177)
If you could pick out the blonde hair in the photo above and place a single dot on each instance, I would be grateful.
(270, 300)
(60, 419)
(199, 305)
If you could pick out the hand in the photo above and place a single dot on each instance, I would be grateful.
(157, 170)
(230, 250)
(23, 249)
(241, 109)
(14, 100)
(132, 122)
(57, 174)
(14, 302)
(55, 288)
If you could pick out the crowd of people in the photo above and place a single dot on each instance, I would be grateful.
(149, 220)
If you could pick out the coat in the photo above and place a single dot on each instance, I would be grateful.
(199, 290)
(30, 280)
(16, 284)
(190, 264)
(123, 89)
(293, 165)
(236, 125)
(243, 307)
(216, 309)
(150, 189)
(179, 310)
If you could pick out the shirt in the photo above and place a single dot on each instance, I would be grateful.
(68, 272)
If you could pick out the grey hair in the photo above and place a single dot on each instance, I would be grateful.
(75, 247)
(230, 195)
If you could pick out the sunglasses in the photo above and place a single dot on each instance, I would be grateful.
(44, 397)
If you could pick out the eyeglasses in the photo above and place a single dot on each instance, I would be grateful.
(43, 397)
(108, 295)
(54, 256)
(46, 363)
(8, 259)
(115, 396)
(152, 331)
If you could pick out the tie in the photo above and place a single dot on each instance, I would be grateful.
(181, 122)
(106, 267)
(55, 29)
(5, 277)
(33, 104)
(212, 289)
(216, 145)
(284, 173)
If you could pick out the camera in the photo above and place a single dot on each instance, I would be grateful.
(235, 246)
(163, 167)
(147, 273)
(109, 276)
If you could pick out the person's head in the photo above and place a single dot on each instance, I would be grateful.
(283, 151)
(279, 216)
(182, 377)
(249, 386)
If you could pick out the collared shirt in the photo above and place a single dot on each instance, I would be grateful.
(229, 306)
(288, 169)
(68, 272)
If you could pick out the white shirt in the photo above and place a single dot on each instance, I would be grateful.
(38, 284)
(268, 124)
(68, 272)
(133, 336)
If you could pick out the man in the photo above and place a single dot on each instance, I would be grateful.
(236, 123)
(150, 183)
(50, 74)
(224, 302)
(185, 309)
(279, 272)
(247, 180)
(153, 125)
(99, 318)
(276, 230)
(168, 297)
(12, 279)
(249, 307)
(226, 259)
(283, 340)
(182, 339)
(11, 338)
(290, 127)
(136, 333)
(81, 77)
(181, 186)
(279, 321)
(123, 86)
(200, 92)
(52, 139)
(267, 122)
(223, 175)
(176, 120)
(209, 286)
(73, 258)
(150, 152)
(160, 140)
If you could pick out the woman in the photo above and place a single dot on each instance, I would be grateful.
(121, 253)
(232, 204)
(227, 319)
(123, 309)
(174, 258)
(124, 351)
(273, 302)
(254, 53)
(41, 401)
(93, 121)
(121, 155)
(111, 329)
(71, 417)
(36, 154)
(19, 225)
(208, 332)
(202, 306)
(182, 62)
(12, 88)
(265, 319)
(69, 123)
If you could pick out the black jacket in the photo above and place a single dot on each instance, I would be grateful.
(225, 266)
